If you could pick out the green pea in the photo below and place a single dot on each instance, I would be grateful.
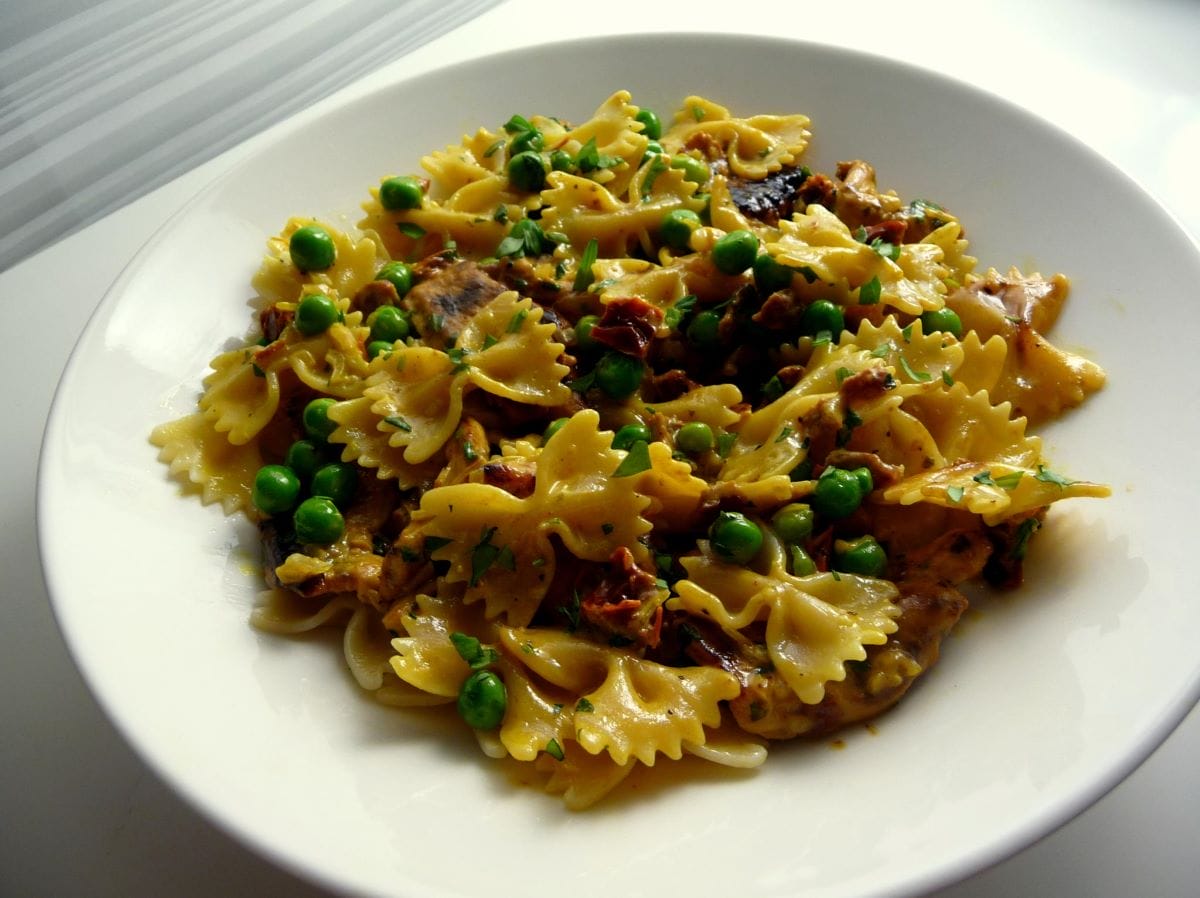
(482, 700)
(838, 494)
(865, 480)
(734, 252)
(769, 275)
(793, 523)
(552, 428)
(398, 275)
(704, 330)
(583, 331)
(694, 438)
(653, 148)
(822, 315)
(802, 563)
(618, 375)
(560, 160)
(943, 319)
(336, 481)
(276, 489)
(677, 226)
(317, 520)
(311, 248)
(527, 171)
(378, 347)
(734, 537)
(651, 125)
(694, 170)
(525, 141)
(315, 313)
(630, 434)
(389, 324)
(304, 457)
(317, 423)
(400, 193)
(706, 212)
(859, 556)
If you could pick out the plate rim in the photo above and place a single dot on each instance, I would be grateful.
(252, 152)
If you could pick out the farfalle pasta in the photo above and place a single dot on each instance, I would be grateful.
(634, 440)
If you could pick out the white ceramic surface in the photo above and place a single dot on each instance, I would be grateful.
(1043, 700)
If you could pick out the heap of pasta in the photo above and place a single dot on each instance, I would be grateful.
(635, 439)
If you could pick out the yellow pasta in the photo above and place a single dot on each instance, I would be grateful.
(635, 438)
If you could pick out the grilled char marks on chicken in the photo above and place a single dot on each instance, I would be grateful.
(444, 303)
(772, 198)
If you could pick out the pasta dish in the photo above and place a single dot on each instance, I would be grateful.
(635, 438)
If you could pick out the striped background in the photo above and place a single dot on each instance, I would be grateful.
(102, 102)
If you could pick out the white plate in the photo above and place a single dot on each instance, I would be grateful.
(1043, 700)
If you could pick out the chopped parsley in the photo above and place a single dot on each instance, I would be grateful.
(518, 124)
(784, 433)
(399, 423)
(636, 460)
(1045, 475)
(657, 166)
(410, 229)
(485, 554)
(493, 148)
(1020, 546)
(525, 238)
(571, 612)
(1009, 481)
(583, 384)
(554, 750)
(772, 389)
(458, 357)
(583, 706)
(955, 493)
(947, 379)
(869, 293)
(918, 376)
(842, 374)
(583, 274)
(471, 650)
(725, 444)
(501, 214)
(518, 319)
(590, 159)
(849, 423)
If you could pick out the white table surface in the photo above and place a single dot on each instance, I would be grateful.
(80, 814)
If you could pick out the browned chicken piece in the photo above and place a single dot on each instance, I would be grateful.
(1039, 379)
(772, 198)
(768, 707)
(859, 202)
(374, 294)
(516, 476)
(444, 303)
